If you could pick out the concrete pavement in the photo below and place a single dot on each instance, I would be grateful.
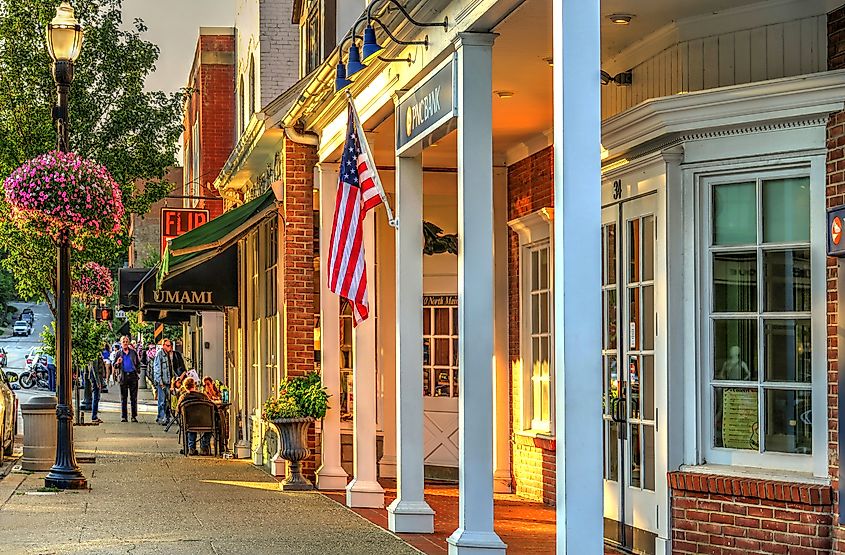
(147, 498)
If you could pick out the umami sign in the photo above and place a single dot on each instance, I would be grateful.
(427, 111)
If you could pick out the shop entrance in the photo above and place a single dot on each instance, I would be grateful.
(630, 378)
(440, 383)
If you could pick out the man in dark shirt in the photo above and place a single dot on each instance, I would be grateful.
(128, 367)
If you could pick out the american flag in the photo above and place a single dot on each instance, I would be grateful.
(358, 191)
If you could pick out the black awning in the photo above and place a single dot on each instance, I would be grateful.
(211, 285)
(128, 288)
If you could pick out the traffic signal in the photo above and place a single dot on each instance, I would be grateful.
(103, 314)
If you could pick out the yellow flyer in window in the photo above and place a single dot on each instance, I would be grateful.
(739, 419)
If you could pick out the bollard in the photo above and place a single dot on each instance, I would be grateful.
(39, 433)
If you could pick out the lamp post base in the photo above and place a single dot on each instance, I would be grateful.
(65, 478)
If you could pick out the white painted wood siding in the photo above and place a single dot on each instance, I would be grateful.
(781, 50)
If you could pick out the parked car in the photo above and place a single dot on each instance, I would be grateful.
(22, 327)
(8, 418)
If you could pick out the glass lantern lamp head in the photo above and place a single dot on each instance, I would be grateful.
(64, 35)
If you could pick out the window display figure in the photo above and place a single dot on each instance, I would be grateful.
(733, 368)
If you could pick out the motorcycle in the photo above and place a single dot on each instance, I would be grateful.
(37, 375)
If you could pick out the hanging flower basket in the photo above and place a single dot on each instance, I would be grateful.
(63, 192)
(94, 282)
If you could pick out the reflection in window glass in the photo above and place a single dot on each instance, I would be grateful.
(786, 275)
(735, 349)
(788, 352)
(788, 421)
(734, 214)
(735, 282)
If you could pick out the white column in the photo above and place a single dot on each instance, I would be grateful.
(577, 276)
(501, 319)
(475, 297)
(364, 489)
(330, 475)
(386, 335)
(409, 512)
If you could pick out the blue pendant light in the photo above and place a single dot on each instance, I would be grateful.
(371, 46)
(353, 63)
(340, 80)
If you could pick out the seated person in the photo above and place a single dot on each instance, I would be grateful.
(191, 393)
(211, 390)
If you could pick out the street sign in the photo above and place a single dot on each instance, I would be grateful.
(835, 231)
(176, 221)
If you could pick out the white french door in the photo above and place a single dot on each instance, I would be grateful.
(634, 373)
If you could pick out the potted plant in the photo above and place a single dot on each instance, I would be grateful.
(300, 401)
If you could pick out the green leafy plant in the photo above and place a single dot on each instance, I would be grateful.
(302, 396)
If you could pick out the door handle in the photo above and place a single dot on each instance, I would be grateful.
(619, 409)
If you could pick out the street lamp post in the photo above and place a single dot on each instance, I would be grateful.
(64, 41)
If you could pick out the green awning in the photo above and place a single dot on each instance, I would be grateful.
(204, 242)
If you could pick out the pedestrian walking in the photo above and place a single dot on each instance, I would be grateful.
(177, 362)
(162, 374)
(128, 368)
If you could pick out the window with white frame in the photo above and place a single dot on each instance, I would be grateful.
(759, 321)
(536, 320)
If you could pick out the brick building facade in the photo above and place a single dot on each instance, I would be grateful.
(210, 114)
(529, 190)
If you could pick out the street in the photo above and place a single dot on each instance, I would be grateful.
(18, 347)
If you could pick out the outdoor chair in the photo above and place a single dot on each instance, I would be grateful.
(199, 416)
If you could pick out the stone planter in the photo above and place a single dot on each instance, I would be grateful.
(293, 447)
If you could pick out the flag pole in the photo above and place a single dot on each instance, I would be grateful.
(394, 222)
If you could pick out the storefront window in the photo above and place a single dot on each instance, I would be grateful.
(541, 336)
(346, 357)
(760, 332)
(440, 346)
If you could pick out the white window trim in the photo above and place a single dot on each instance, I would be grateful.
(532, 229)
(817, 462)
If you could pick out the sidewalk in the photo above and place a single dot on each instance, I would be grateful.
(147, 498)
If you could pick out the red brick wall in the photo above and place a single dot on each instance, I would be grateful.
(835, 197)
(726, 516)
(530, 188)
(213, 103)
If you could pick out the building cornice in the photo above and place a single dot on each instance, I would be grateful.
(781, 102)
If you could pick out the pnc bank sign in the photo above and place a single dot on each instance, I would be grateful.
(427, 112)
(177, 221)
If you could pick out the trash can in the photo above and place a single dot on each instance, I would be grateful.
(39, 433)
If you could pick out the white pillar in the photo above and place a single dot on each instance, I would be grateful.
(409, 512)
(577, 276)
(386, 334)
(364, 489)
(330, 475)
(501, 320)
(475, 297)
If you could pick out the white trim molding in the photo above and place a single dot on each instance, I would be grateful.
(802, 98)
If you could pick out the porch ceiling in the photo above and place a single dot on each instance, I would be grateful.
(521, 66)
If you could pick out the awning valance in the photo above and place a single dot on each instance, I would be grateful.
(208, 240)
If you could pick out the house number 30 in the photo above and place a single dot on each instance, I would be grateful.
(617, 189)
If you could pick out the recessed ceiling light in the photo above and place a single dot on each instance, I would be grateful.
(504, 94)
(620, 18)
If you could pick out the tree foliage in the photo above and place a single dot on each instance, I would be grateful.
(87, 336)
(112, 120)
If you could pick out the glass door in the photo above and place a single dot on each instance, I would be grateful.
(628, 362)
